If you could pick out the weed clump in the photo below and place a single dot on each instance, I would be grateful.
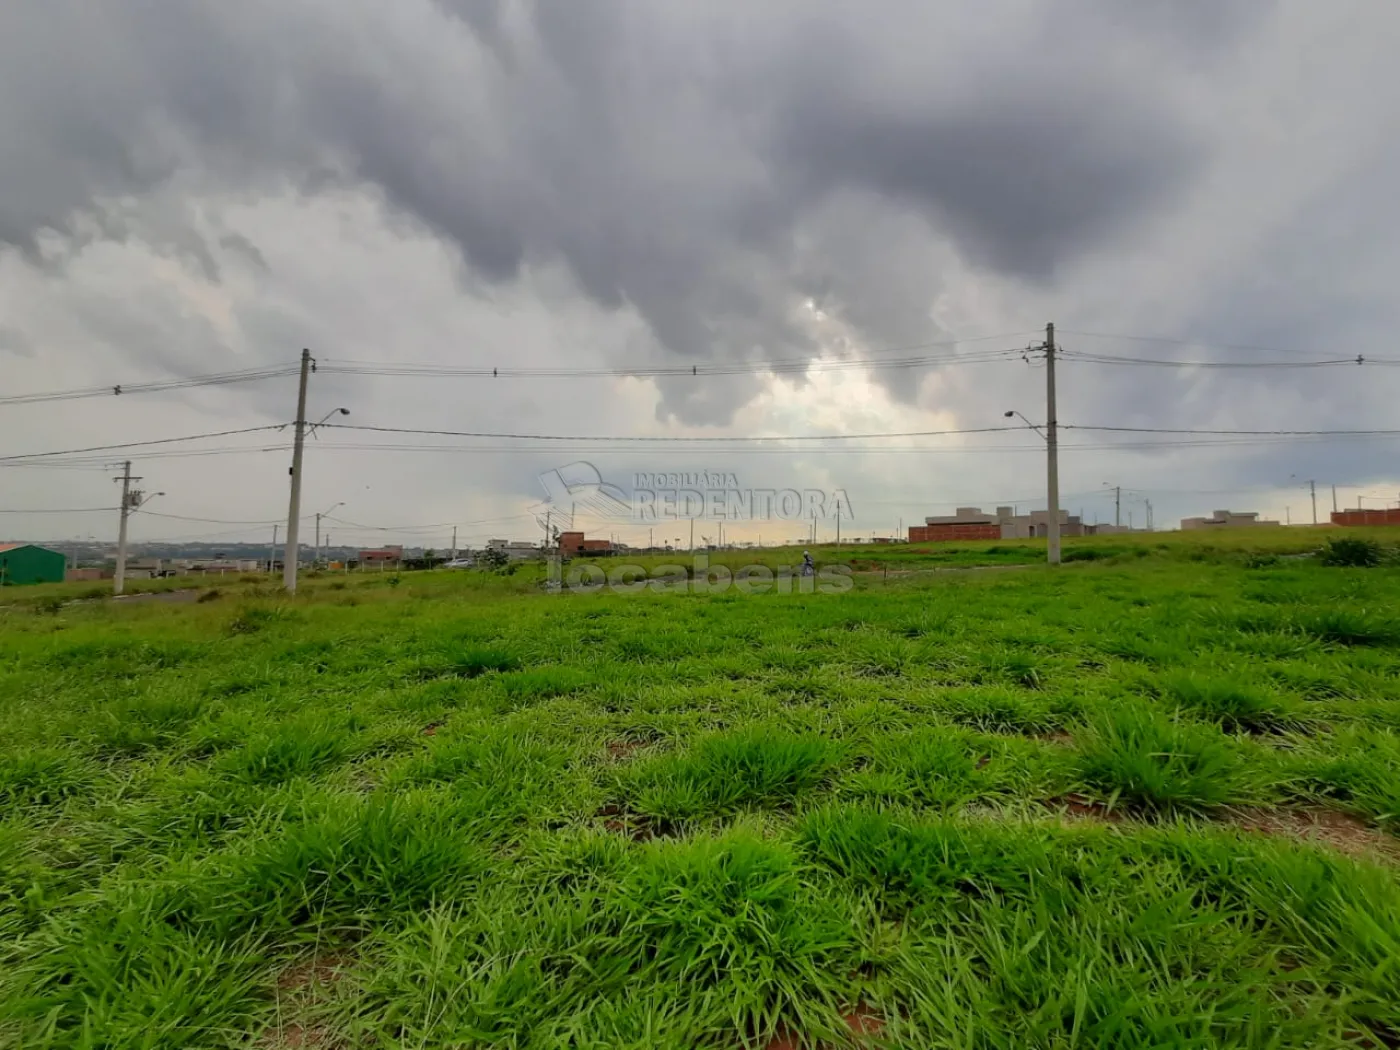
(1148, 763)
(1351, 552)
(723, 773)
(1235, 705)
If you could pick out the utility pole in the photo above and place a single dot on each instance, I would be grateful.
(651, 537)
(1334, 499)
(318, 537)
(547, 519)
(692, 535)
(1312, 488)
(838, 524)
(1117, 505)
(1052, 442)
(129, 500)
(272, 551)
(454, 542)
(289, 562)
(1149, 514)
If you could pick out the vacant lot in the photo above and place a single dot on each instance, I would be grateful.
(1145, 800)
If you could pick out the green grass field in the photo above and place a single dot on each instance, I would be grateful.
(1147, 799)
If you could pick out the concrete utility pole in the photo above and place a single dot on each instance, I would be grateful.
(1334, 499)
(129, 499)
(272, 551)
(692, 534)
(1148, 502)
(289, 561)
(454, 542)
(319, 516)
(838, 524)
(1312, 488)
(1117, 505)
(1052, 441)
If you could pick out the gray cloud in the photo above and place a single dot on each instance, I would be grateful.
(676, 159)
(676, 181)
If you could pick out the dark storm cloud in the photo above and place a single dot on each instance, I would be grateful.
(678, 159)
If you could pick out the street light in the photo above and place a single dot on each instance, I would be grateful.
(1026, 421)
(342, 411)
(1052, 480)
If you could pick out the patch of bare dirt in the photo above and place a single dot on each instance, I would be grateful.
(1341, 831)
(1081, 807)
(638, 828)
(863, 1021)
(311, 972)
(1060, 738)
(298, 986)
(623, 749)
(432, 727)
(296, 1036)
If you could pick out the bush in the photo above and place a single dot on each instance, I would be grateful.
(491, 558)
(1351, 552)
(1085, 554)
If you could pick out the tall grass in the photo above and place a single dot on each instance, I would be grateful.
(500, 818)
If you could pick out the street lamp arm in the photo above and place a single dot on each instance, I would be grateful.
(1028, 423)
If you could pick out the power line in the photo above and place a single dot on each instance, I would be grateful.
(153, 386)
(1290, 433)
(140, 444)
(61, 510)
(776, 365)
(1112, 359)
(1183, 342)
(210, 521)
(665, 438)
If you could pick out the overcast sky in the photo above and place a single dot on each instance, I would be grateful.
(199, 187)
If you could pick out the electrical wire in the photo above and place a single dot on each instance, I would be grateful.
(777, 365)
(1113, 359)
(141, 444)
(1197, 430)
(153, 386)
(61, 510)
(664, 438)
(1176, 341)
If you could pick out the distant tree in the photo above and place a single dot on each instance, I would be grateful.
(492, 558)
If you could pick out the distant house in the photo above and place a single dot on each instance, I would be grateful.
(28, 563)
(382, 557)
(1389, 516)
(1225, 519)
(515, 550)
(575, 543)
(973, 523)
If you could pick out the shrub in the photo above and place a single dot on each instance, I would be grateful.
(1351, 552)
(492, 558)
(211, 595)
(1085, 554)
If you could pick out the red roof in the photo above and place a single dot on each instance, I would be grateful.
(12, 546)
